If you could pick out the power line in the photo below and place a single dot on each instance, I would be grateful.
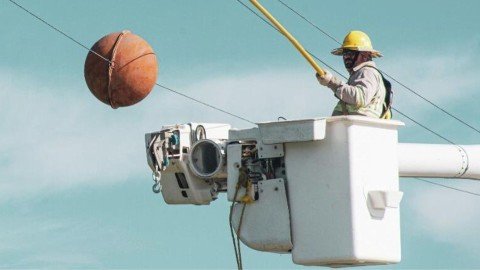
(391, 77)
(197, 100)
(274, 28)
(396, 110)
(244, 119)
(311, 23)
(204, 103)
(107, 60)
(423, 126)
(433, 104)
(449, 187)
(58, 30)
(339, 73)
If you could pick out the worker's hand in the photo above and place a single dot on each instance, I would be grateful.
(325, 78)
(329, 80)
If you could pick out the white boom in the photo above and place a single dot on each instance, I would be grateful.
(439, 161)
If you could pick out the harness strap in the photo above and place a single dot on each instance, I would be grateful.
(388, 94)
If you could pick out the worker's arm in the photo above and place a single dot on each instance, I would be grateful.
(361, 90)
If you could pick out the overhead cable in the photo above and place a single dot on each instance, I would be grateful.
(425, 127)
(206, 104)
(386, 74)
(396, 110)
(449, 187)
(58, 30)
(107, 60)
(342, 75)
(194, 99)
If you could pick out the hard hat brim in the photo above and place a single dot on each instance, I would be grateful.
(375, 53)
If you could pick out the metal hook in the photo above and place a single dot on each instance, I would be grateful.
(156, 188)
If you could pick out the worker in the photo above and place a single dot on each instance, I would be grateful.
(365, 91)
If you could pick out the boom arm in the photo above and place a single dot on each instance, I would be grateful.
(439, 160)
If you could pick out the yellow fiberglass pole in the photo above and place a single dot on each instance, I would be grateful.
(289, 36)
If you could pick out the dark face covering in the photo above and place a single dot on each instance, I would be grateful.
(349, 58)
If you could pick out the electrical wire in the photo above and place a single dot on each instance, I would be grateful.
(338, 72)
(110, 62)
(204, 103)
(311, 23)
(393, 108)
(448, 187)
(244, 119)
(386, 74)
(58, 30)
(398, 111)
(423, 126)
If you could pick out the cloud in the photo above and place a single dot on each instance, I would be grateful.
(44, 241)
(446, 215)
(443, 78)
(264, 96)
(57, 137)
(26, 234)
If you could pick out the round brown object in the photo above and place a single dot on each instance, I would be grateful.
(127, 72)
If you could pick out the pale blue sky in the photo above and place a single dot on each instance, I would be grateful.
(75, 189)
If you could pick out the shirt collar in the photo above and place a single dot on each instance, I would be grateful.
(364, 64)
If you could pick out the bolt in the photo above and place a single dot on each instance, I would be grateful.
(275, 147)
(276, 189)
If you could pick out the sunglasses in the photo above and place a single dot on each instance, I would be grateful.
(349, 53)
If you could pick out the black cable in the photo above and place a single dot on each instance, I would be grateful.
(433, 104)
(391, 77)
(58, 30)
(107, 60)
(311, 23)
(206, 104)
(274, 28)
(423, 126)
(403, 114)
(244, 119)
(449, 187)
(339, 73)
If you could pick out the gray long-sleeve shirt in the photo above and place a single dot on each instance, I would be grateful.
(362, 85)
(364, 92)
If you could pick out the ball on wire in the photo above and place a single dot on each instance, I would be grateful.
(122, 69)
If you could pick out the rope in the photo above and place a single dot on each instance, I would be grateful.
(230, 218)
(238, 235)
(111, 67)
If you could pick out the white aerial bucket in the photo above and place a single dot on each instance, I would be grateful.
(343, 192)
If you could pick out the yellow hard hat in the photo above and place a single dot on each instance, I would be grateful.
(357, 41)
